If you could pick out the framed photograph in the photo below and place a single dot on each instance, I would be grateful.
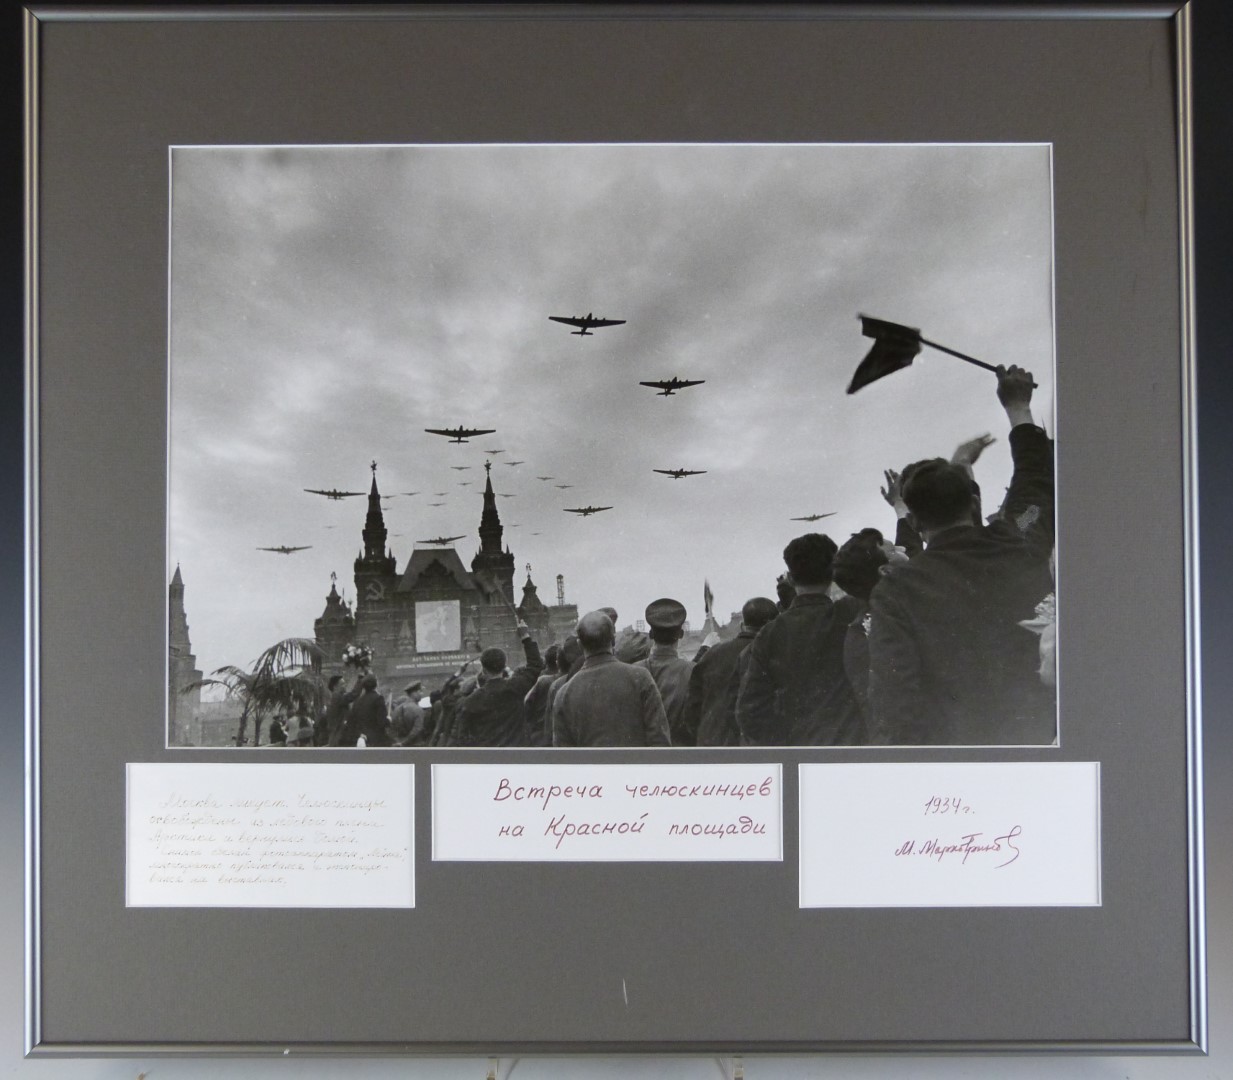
(555, 490)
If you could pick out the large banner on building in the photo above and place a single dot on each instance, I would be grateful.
(438, 626)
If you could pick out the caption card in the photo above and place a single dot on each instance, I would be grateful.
(1013, 834)
(285, 835)
(607, 813)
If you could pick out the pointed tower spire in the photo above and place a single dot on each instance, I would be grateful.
(491, 561)
(490, 529)
(374, 524)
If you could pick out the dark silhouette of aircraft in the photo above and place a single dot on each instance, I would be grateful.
(436, 504)
(564, 486)
(512, 463)
(585, 511)
(465, 483)
(333, 493)
(460, 434)
(668, 387)
(494, 451)
(439, 494)
(585, 322)
(676, 474)
(503, 495)
(441, 541)
(408, 493)
(816, 517)
(460, 468)
(282, 549)
(545, 478)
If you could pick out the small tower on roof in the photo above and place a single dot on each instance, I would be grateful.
(183, 709)
(531, 603)
(334, 629)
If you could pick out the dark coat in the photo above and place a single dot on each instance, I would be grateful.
(794, 691)
(334, 720)
(671, 673)
(710, 711)
(948, 661)
(535, 711)
(368, 717)
(609, 703)
(493, 714)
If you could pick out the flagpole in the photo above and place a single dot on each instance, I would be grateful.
(961, 356)
(964, 356)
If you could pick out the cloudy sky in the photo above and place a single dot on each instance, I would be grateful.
(329, 303)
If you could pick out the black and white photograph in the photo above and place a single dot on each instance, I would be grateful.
(611, 445)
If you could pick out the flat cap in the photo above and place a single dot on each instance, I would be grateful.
(665, 614)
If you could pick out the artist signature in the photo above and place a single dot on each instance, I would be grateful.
(965, 847)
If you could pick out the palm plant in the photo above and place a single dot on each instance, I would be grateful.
(288, 672)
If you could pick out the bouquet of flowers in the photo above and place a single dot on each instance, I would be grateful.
(358, 657)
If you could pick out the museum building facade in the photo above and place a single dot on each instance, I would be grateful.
(425, 622)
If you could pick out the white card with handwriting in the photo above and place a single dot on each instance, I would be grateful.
(270, 835)
(970, 834)
(607, 813)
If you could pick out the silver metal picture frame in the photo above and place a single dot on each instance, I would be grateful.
(625, 957)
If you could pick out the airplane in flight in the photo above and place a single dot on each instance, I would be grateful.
(668, 387)
(283, 549)
(564, 486)
(460, 434)
(676, 474)
(441, 541)
(494, 451)
(439, 494)
(408, 493)
(585, 322)
(436, 504)
(513, 463)
(585, 511)
(545, 478)
(465, 483)
(333, 493)
(816, 517)
(460, 468)
(503, 495)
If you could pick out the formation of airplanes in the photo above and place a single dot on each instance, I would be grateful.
(584, 325)
(584, 322)
(668, 387)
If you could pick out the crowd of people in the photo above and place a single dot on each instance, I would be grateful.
(943, 635)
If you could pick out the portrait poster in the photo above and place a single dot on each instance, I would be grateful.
(687, 284)
(437, 626)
